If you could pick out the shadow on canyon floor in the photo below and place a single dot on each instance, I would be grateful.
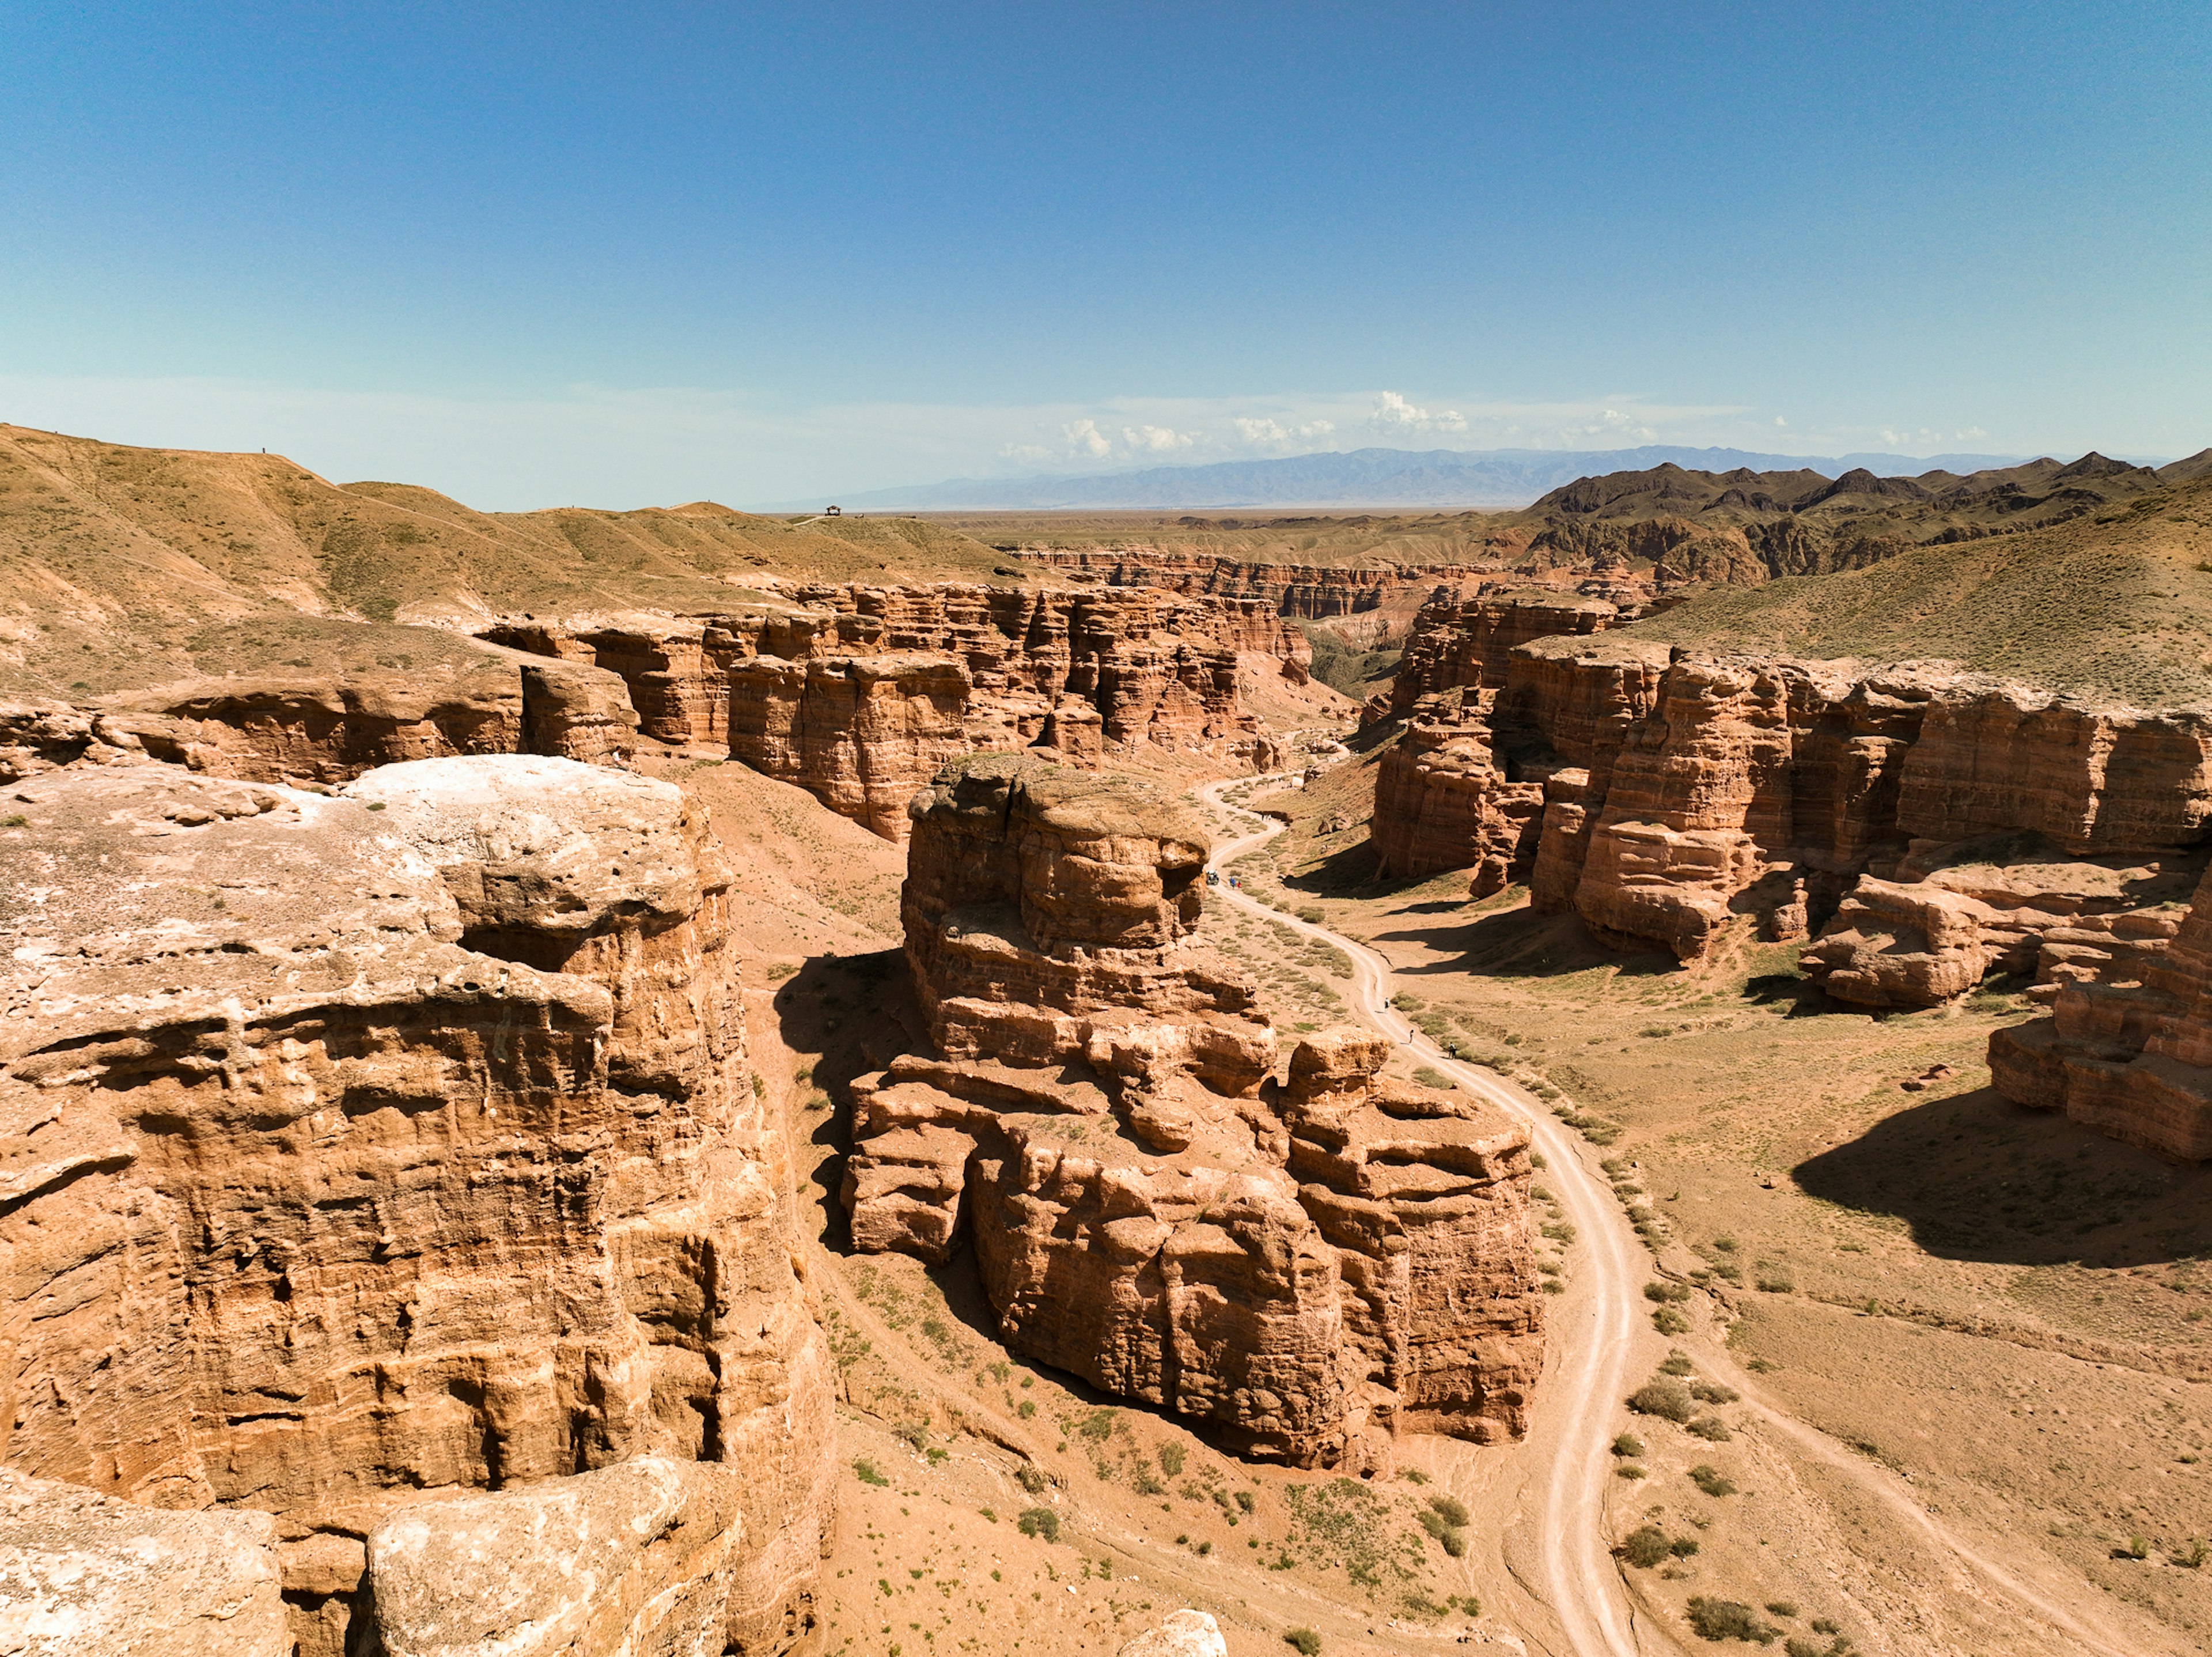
(1515, 942)
(1979, 1178)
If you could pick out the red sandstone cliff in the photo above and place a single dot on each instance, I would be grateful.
(1300, 1266)
(364, 1151)
(1949, 824)
(860, 694)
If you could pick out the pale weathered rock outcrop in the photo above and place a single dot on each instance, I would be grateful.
(1184, 1634)
(640, 1557)
(368, 1149)
(1300, 1267)
(88, 1575)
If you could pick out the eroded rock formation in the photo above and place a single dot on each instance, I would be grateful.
(368, 1149)
(330, 727)
(1301, 1266)
(1942, 825)
(860, 694)
(2127, 1048)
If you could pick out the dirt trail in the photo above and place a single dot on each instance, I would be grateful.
(1568, 1447)
(1594, 1342)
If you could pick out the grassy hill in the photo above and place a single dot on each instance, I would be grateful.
(2115, 603)
(123, 566)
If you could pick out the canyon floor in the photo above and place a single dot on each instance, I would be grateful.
(1943, 1408)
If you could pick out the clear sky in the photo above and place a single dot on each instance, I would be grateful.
(621, 254)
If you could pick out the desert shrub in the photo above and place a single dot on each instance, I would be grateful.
(1311, 915)
(781, 970)
(1664, 1292)
(1711, 1393)
(1684, 1547)
(1711, 1428)
(866, 1473)
(1728, 1619)
(1034, 1480)
(1429, 1076)
(1098, 1426)
(1676, 1364)
(1669, 1400)
(1628, 1444)
(1775, 1280)
(1171, 1461)
(1629, 1469)
(1798, 1645)
(1453, 1538)
(1245, 1499)
(1781, 1608)
(914, 1434)
(1667, 1321)
(1145, 1485)
(1304, 1642)
(1711, 1480)
(1450, 1509)
(1646, 1546)
(1725, 1244)
(1040, 1522)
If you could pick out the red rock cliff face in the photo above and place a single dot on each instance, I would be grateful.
(2128, 1049)
(329, 728)
(1302, 1268)
(377, 1148)
(1460, 642)
(1679, 792)
(1311, 592)
(859, 694)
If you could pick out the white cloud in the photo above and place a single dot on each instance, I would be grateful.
(1155, 440)
(1779, 421)
(1971, 435)
(1266, 432)
(1392, 413)
(1084, 439)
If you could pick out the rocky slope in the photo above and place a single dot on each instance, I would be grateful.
(1312, 591)
(1300, 1265)
(369, 1149)
(860, 694)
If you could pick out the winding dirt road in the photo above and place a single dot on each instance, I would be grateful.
(1570, 1441)
(1579, 1578)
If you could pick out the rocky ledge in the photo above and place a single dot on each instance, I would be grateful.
(1301, 1265)
(369, 1151)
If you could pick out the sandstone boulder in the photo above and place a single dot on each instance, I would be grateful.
(87, 1575)
(633, 1559)
(1185, 1634)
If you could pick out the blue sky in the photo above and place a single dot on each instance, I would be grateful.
(625, 254)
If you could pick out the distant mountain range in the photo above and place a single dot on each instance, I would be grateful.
(1496, 477)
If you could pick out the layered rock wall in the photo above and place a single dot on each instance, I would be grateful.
(2128, 1051)
(1299, 1267)
(860, 694)
(329, 728)
(1679, 791)
(368, 1148)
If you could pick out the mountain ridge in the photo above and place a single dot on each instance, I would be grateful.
(1489, 478)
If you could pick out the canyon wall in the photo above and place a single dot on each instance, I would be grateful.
(2128, 1051)
(368, 1150)
(860, 694)
(1940, 826)
(329, 727)
(1301, 1266)
(1310, 592)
